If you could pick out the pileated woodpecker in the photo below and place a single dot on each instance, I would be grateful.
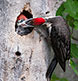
(59, 33)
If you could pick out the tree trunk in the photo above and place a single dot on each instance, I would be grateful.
(33, 58)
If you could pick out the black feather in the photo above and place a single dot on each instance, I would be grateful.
(51, 68)
(61, 41)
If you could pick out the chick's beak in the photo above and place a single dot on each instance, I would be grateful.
(26, 23)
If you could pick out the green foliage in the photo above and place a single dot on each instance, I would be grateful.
(74, 50)
(74, 66)
(69, 11)
(55, 78)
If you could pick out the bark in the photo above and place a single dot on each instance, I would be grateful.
(32, 62)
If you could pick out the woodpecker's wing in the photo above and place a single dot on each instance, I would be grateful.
(60, 38)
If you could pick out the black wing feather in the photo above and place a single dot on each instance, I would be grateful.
(60, 38)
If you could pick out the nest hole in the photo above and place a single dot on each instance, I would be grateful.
(18, 53)
(27, 14)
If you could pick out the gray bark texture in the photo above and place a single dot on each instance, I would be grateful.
(35, 56)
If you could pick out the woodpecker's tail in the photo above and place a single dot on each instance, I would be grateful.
(51, 68)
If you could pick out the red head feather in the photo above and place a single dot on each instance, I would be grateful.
(38, 21)
(21, 17)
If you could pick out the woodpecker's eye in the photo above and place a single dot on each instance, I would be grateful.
(20, 21)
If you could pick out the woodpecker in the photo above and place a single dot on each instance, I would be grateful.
(20, 26)
(58, 33)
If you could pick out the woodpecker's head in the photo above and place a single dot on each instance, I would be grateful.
(35, 21)
(20, 26)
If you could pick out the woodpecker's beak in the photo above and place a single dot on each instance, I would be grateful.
(25, 23)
